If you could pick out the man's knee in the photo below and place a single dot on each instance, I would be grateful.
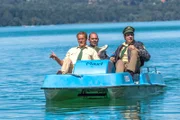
(119, 63)
(67, 60)
(120, 66)
(66, 67)
(134, 52)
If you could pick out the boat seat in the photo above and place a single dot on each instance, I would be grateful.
(93, 67)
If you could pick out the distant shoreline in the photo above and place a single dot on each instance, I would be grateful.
(51, 12)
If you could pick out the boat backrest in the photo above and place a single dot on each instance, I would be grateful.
(151, 78)
(93, 67)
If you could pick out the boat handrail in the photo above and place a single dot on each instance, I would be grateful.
(150, 69)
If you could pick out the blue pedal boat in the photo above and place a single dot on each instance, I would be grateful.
(97, 79)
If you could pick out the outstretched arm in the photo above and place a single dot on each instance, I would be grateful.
(59, 61)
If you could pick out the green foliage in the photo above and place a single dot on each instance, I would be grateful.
(45, 12)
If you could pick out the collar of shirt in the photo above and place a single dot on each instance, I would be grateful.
(84, 46)
(124, 44)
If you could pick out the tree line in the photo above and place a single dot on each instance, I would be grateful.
(46, 12)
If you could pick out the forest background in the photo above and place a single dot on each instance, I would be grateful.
(53, 12)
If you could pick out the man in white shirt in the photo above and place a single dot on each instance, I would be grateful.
(81, 52)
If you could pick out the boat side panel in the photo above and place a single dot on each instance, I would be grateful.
(110, 93)
(134, 91)
(83, 81)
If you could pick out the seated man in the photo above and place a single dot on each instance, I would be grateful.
(93, 40)
(81, 52)
(130, 55)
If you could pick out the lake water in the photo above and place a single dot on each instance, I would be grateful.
(25, 61)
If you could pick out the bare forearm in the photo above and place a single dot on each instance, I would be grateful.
(60, 62)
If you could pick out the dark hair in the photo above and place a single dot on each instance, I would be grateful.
(82, 33)
(92, 33)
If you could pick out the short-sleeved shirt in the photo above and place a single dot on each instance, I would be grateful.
(88, 54)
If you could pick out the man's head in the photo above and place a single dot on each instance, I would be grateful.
(82, 38)
(93, 39)
(129, 34)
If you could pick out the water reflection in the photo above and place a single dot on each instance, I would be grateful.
(95, 109)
